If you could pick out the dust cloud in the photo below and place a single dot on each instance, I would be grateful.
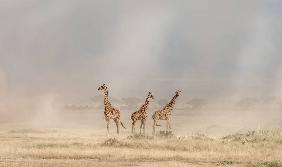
(224, 56)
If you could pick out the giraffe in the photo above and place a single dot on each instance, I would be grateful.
(165, 113)
(141, 114)
(110, 112)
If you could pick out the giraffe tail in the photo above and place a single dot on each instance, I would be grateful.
(122, 125)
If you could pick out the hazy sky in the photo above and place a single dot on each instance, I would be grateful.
(206, 48)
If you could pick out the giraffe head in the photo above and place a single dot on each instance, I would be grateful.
(103, 88)
(177, 92)
(150, 95)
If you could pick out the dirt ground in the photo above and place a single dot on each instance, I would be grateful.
(74, 147)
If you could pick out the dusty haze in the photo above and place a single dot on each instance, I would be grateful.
(227, 55)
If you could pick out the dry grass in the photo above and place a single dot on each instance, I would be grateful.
(54, 147)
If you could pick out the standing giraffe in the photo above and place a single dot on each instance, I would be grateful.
(165, 112)
(141, 114)
(110, 112)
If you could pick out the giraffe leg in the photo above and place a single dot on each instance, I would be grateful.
(169, 126)
(133, 127)
(108, 127)
(167, 122)
(117, 121)
(141, 125)
(154, 126)
(144, 126)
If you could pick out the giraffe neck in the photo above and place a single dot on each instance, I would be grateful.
(146, 102)
(107, 102)
(171, 103)
(145, 105)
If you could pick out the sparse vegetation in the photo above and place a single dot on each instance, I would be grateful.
(274, 136)
(266, 164)
(39, 147)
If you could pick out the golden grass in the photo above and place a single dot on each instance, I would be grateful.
(57, 147)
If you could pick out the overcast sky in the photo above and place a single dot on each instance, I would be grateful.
(205, 48)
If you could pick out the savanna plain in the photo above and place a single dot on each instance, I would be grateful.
(28, 147)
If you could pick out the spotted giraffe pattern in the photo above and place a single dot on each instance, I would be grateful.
(141, 114)
(165, 112)
(110, 112)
